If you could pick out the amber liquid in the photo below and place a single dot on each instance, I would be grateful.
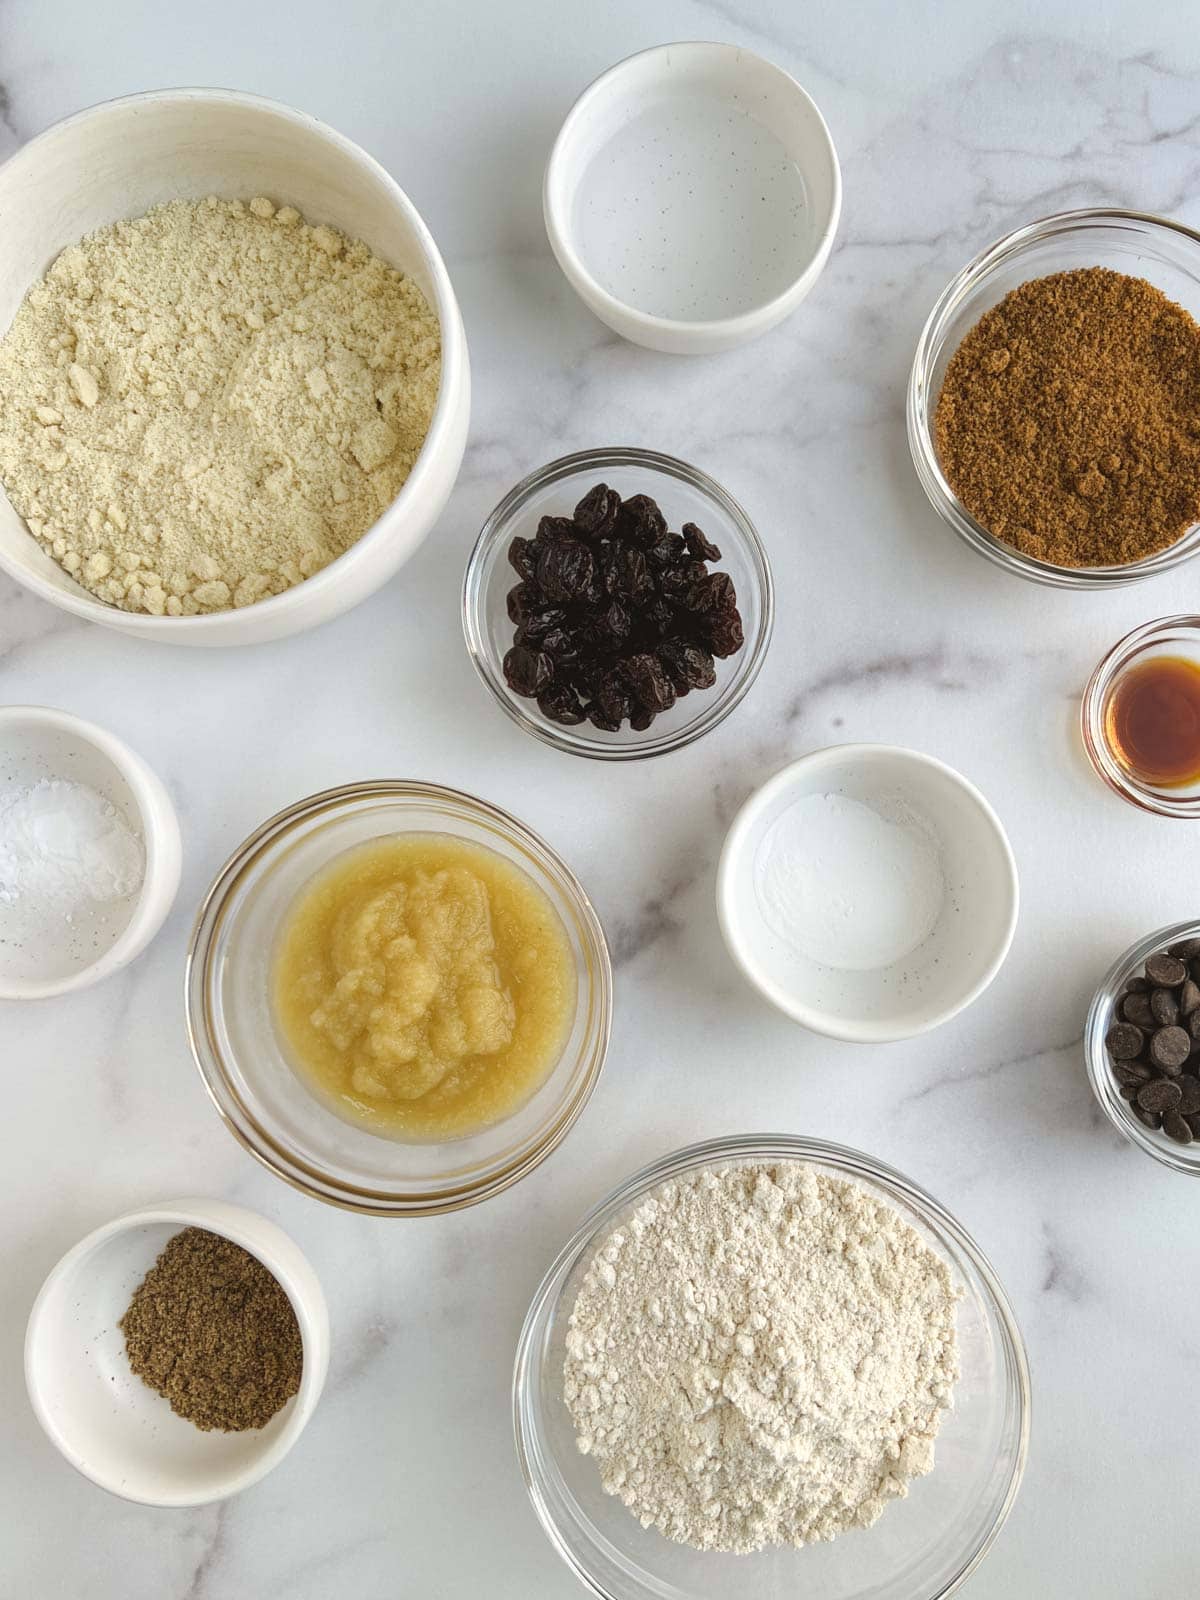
(1152, 721)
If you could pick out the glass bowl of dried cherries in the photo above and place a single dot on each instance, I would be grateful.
(618, 604)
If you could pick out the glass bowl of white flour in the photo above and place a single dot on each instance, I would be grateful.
(926, 1537)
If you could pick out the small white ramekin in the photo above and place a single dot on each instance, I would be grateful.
(39, 742)
(111, 1426)
(961, 954)
(115, 161)
(744, 82)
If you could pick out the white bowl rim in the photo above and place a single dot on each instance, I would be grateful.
(453, 367)
(816, 1020)
(242, 1226)
(851, 1164)
(160, 836)
(747, 323)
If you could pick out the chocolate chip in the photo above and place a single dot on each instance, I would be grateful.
(1149, 1119)
(1160, 1095)
(1193, 1025)
(1175, 1127)
(1129, 1091)
(1137, 985)
(1135, 1008)
(1123, 1041)
(1164, 971)
(1134, 1072)
(1169, 1048)
(1189, 1091)
(1186, 950)
(1165, 1006)
(1193, 1123)
(1189, 997)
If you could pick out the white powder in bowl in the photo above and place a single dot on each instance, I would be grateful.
(847, 886)
(63, 847)
(761, 1355)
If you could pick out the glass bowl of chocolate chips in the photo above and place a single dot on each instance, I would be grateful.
(618, 604)
(1142, 1044)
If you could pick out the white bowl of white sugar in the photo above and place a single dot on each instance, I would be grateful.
(89, 853)
(868, 891)
(173, 533)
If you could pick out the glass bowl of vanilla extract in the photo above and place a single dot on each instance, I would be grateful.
(1140, 717)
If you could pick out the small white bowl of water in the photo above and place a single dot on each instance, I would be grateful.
(868, 891)
(692, 197)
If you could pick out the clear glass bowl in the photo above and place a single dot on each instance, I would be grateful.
(1168, 636)
(1179, 1157)
(686, 495)
(922, 1547)
(1164, 252)
(242, 1060)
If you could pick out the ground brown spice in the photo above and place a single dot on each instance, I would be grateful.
(1069, 419)
(210, 1329)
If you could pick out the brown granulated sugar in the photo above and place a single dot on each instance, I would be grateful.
(1069, 419)
(213, 1332)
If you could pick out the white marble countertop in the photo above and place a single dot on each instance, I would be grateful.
(951, 129)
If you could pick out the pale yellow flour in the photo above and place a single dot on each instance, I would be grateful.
(207, 405)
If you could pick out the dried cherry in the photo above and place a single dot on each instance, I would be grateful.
(650, 684)
(561, 704)
(615, 617)
(566, 570)
(527, 672)
(522, 557)
(699, 548)
(596, 514)
(642, 521)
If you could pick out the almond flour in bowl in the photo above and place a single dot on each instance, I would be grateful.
(207, 405)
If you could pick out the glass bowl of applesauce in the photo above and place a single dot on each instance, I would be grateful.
(254, 1058)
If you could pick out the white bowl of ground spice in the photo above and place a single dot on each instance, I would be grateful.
(1052, 412)
(176, 1354)
(235, 373)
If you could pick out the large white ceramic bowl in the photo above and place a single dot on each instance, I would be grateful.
(952, 960)
(117, 160)
(107, 1422)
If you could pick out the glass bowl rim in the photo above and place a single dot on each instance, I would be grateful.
(849, 1163)
(1111, 665)
(1101, 1079)
(919, 409)
(307, 1176)
(748, 662)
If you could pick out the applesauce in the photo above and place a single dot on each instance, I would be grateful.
(424, 986)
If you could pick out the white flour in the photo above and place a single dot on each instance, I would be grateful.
(847, 885)
(63, 847)
(761, 1356)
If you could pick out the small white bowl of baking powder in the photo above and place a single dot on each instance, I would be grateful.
(89, 853)
(868, 891)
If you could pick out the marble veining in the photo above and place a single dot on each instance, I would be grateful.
(953, 124)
